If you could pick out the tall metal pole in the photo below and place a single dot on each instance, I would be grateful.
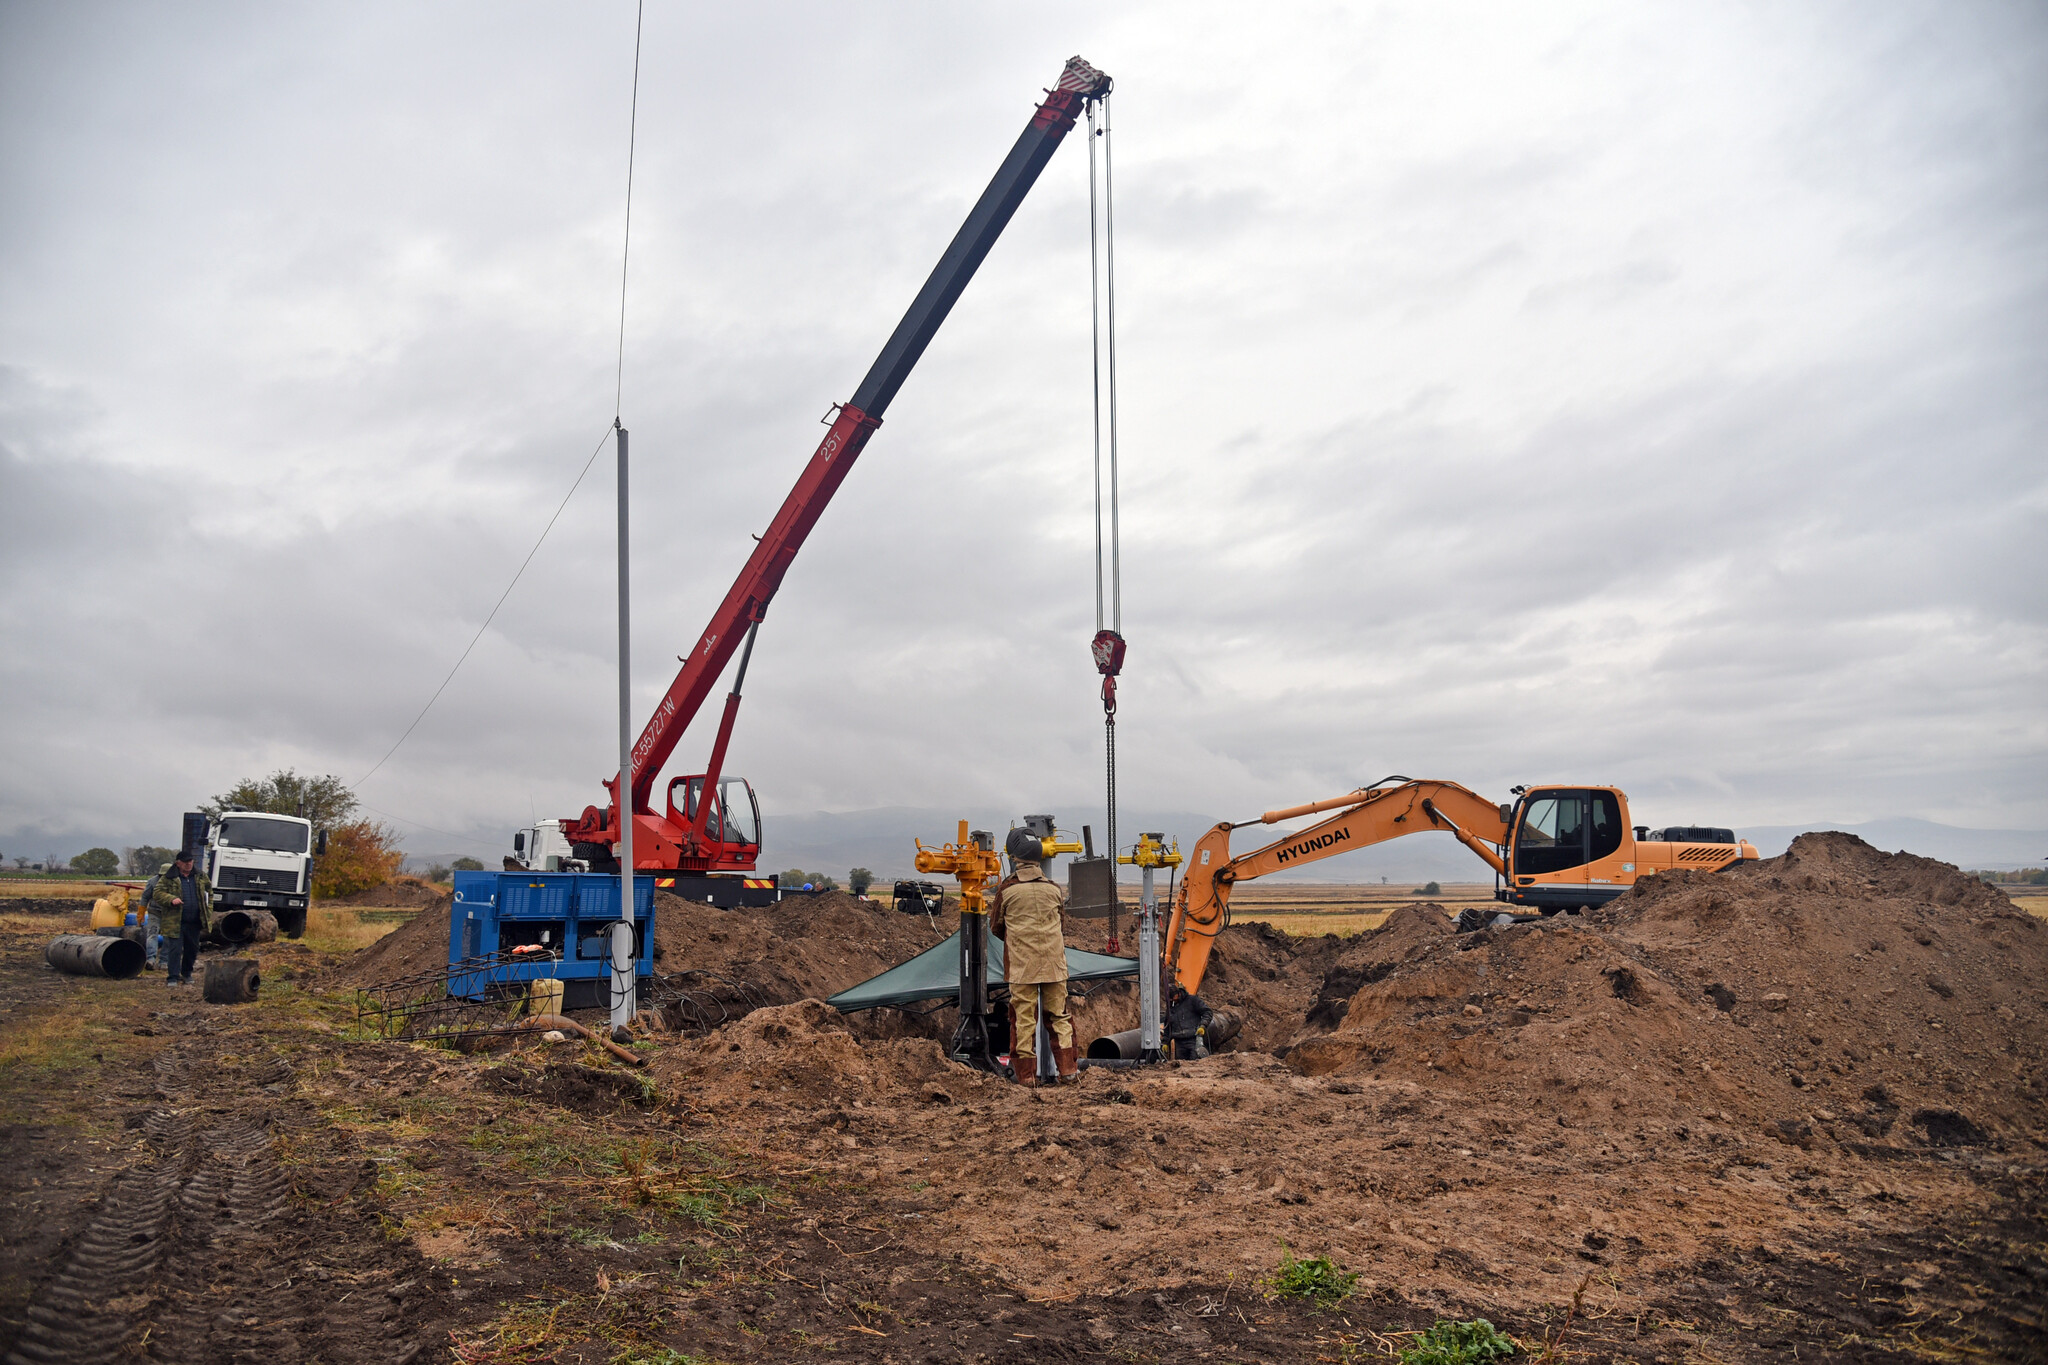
(623, 984)
(1149, 1045)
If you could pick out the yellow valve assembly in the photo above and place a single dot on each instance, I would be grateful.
(1151, 851)
(973, 862)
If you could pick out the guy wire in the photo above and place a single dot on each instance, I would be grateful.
(625, 256)
(626, 251)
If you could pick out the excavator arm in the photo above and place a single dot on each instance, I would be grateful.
(1370, 815)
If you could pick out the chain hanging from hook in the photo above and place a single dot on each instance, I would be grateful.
(1108, 645)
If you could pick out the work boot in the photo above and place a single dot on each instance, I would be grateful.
(1024, 1067)
(1068, 1060)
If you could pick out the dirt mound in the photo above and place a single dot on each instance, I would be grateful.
(806, 1054)
(419, 945)
(400, 893)
(45, 905)
(1280, 984)
(804, 947)
(1825, 992)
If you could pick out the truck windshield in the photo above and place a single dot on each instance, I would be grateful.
(271, 836)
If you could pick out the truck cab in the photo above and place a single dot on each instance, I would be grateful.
(544, 848)
(1574, 848)
(260, 861)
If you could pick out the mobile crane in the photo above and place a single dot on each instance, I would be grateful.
(1551, 849)
(709, 835)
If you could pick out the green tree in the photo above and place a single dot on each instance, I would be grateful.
(1431, 890)
(326, 801)
(859, 880)
(438, 872)
(466, 865)
(97, 862)
(146, 859)
(796, 879)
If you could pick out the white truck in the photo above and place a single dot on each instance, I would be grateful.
(544, 848)
(259, 861)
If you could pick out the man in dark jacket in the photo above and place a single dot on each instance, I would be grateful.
(183, 896)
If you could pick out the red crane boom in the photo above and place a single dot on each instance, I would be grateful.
(705, 832)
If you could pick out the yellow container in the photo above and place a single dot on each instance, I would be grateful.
(111, 910)
(544, 997)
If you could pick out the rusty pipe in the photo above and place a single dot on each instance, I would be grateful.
(541, 1023)
(93, 955)
(245, 926)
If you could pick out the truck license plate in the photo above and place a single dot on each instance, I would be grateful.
(257, 905)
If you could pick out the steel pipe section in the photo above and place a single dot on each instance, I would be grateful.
(92, 955)
(1115, 1047)
(245, 926)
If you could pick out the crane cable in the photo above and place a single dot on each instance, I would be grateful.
(1108, 645)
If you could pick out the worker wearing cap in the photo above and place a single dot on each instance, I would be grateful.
(1028, 916)
(182, 899)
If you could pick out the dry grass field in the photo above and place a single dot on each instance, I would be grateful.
(1312, 909)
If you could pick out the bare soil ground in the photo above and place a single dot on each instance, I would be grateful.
(1801, 1109)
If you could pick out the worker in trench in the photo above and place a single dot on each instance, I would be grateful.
(1028, 915)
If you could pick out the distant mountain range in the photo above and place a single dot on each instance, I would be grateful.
(881, 840)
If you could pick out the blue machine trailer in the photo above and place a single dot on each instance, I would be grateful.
(563, 919)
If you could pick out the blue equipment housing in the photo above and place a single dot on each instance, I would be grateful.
(566, 915)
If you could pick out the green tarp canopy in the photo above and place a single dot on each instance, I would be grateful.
(934, 974)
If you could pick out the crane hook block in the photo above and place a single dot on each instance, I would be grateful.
(1109, 653)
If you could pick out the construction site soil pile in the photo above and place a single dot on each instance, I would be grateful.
(806, 946)
(1718, 1069)
(1793, 1110)
(399, 893)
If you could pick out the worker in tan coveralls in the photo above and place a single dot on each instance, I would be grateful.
(1028, 915)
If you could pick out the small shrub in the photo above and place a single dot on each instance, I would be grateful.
(1318, 1279)
(360, 855)
(467, 865)
(1458, 1343)
(1431, 890)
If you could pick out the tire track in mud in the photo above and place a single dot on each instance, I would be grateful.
(185, 1261)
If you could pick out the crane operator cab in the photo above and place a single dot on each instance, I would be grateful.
(731, 835)
(1574, 848)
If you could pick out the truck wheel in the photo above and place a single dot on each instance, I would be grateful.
(292, 922)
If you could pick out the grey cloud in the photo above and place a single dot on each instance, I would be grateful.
(1680, 436)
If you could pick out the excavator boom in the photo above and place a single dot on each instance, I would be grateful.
(1557, 848)
(1370, 815)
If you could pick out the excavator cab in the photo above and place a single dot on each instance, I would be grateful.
(732, 827)
(1562, 837)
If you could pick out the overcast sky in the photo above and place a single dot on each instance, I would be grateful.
(1644, 395)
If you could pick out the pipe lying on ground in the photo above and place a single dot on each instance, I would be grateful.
(1223, 1025)
(541, 1023)
(91, 955)
(245, 926)
(1115, 1047)
(231, 980)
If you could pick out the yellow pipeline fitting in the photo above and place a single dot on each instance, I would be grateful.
(1149, 852)
(967, 862)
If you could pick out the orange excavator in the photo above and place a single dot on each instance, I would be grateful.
(1551, 849)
